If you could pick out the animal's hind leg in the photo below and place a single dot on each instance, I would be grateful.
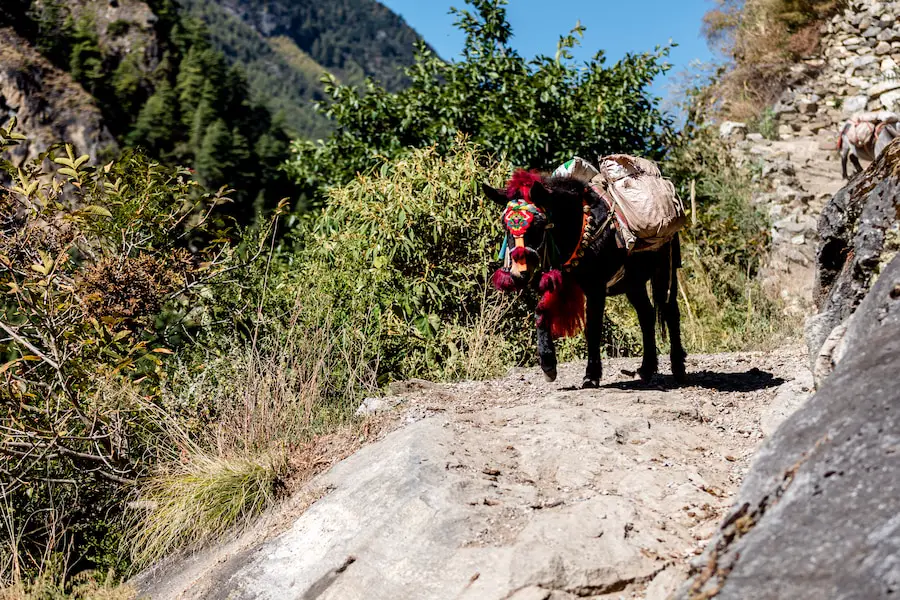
(673, 322)
(844, 154)
(637, 295)
(593, 332)
(855, 160)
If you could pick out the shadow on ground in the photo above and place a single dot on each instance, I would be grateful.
(747, 381)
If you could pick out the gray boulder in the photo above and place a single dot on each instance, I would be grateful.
(818, 516)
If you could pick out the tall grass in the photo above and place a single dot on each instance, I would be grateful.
(722, 303)
(478, 348)
(289, 383)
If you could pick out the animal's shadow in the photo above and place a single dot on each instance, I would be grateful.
(748, 381)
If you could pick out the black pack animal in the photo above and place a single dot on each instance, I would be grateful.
(562, 240)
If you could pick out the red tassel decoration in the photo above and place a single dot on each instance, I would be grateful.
(504, 281)
(521, 182)
(562, 304)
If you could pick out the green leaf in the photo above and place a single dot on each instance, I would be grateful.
(94, 209)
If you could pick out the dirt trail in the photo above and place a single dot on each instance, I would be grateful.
(516, 489)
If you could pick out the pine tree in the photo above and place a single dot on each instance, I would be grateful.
(85, 59)
(157, 122)
(214, 161)
(189, 84)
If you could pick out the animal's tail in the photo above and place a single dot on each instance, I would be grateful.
(844, 129)
(664, 283)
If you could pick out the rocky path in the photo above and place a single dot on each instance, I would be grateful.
(797, 176)
(516, 489)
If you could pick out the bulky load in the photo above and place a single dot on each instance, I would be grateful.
(647, 209)
(862, 128)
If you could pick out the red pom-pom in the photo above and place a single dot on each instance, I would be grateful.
(518, 254)
(504, 281)
(550, 281)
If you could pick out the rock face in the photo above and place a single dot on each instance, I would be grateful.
(859, 233)
(818, 516)
(48, 104)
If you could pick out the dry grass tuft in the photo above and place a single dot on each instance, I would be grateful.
(478, 346)
(265, 404)
(83, 586)
(189, 504)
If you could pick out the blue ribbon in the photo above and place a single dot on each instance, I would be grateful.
(503, 248)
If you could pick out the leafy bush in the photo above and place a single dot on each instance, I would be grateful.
(536, 113)
(403, 255)
(103, 268)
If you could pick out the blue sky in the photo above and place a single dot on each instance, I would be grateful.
(617, 27)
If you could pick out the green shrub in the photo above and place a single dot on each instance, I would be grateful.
(403, 255)
(119, 27)
(102, 267)
(766, 124)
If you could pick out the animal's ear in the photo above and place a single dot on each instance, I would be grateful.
(492, 193)
(539, 194)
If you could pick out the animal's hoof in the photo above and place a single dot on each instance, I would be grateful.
(646, 374)
(589, 384)
(550, 375)
(680, 376)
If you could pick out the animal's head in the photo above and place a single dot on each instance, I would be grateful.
(525, 223)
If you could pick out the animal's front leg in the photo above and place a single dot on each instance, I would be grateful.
(845, 152)
(546, 352)
(596, 304)
(855, 160)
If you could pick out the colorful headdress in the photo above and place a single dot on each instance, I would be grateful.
(518, 216)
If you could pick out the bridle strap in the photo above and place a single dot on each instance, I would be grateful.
(583, 237)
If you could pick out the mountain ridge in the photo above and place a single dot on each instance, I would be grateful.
(286, 47)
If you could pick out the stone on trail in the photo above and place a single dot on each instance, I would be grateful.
(732, 130)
